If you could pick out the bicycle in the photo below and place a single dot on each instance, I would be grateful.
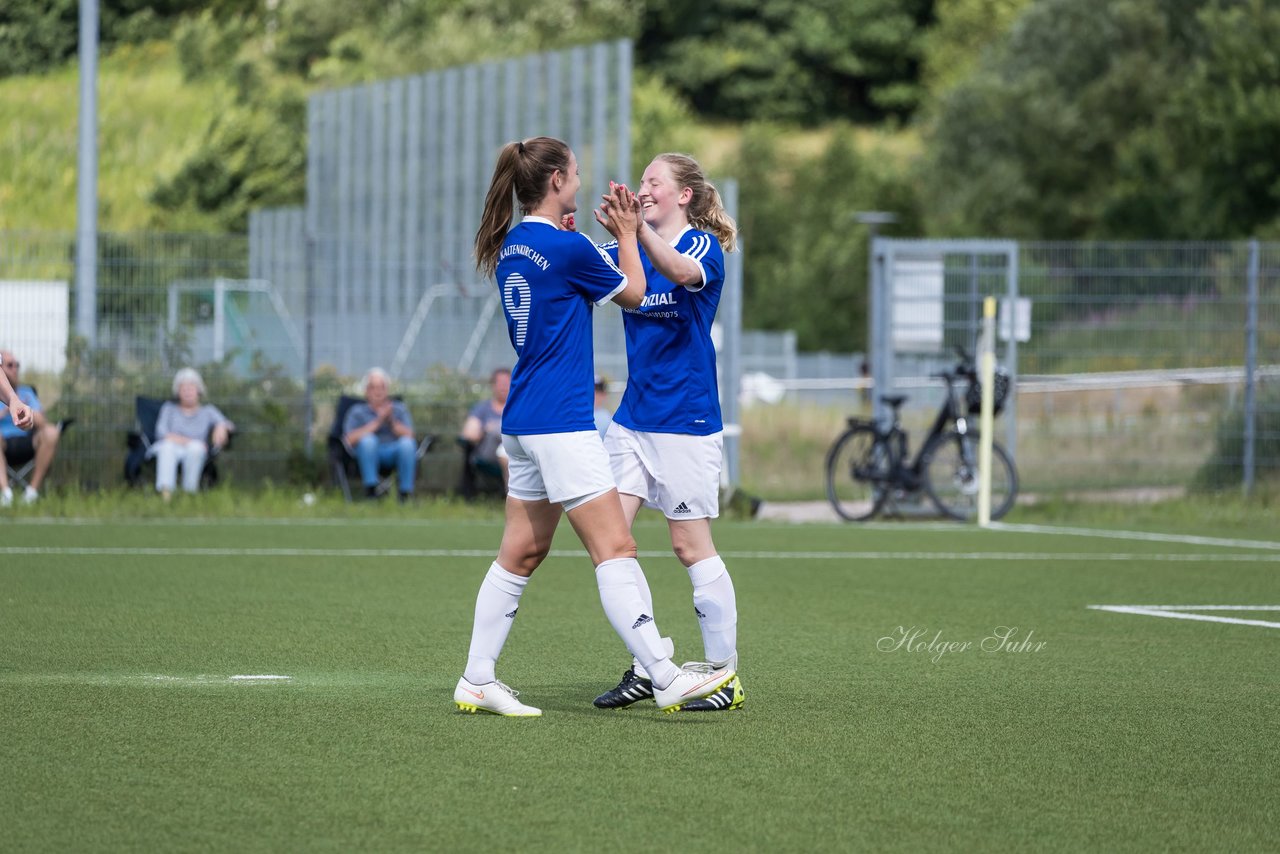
(869, 466)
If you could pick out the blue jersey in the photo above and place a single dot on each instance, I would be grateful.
(671, 362)
(549, 280)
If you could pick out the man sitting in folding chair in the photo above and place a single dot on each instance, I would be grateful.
(26, 455)
(379, 434)
(187, 434)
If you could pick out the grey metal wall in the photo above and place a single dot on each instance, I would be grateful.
(396, 176)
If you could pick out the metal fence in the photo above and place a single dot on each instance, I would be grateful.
(1136, 365)
(168, 301)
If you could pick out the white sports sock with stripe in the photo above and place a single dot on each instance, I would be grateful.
(623, 605)
(717, 607)
(496, 606)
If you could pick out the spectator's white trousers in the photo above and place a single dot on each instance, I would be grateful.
(169, 455)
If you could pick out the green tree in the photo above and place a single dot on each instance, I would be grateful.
(1114, 118)
(964, 31)
(794, 60)
(253, 156)
(806, 258)
(34, 36)
(1207, 167)
(39, 34)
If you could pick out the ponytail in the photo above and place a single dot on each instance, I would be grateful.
(706, 210)
(523, 169)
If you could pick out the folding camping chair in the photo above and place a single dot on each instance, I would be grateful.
(142, 439)
(343, 465)
(479, 476)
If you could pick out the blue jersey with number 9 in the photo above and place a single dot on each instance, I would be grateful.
(548, 281)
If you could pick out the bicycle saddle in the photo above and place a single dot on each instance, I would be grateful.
(894, 400)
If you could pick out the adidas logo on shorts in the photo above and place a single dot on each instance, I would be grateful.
(644, 618)
(701, 616)
(512, 614)
(682, 508)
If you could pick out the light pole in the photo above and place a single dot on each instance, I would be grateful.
(87, 178)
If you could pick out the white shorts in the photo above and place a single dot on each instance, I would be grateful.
(675, 473)
(568, 469)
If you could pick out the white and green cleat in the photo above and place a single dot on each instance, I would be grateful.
(695, 682)
(492, 698)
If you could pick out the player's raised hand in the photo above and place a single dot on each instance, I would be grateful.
(619, 211)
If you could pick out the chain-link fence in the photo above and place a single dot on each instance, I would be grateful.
(274, 361)
(1138, 365)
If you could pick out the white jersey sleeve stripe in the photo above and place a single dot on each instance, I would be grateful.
(696, 252)
(608, 259)
(605, 255)
(619, 289)
(699, 248)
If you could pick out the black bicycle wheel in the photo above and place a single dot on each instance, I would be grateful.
(857, 473)
(950, 468)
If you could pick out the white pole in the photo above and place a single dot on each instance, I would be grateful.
(986, 420)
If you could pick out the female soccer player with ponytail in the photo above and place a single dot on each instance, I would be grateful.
(549, 279)
(665, 442)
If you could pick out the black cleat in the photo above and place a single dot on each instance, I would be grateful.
(632, 689)
(730, 696)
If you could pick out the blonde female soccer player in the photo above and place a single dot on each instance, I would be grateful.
(665, 441)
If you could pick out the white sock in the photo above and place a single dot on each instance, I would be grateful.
(623, 605)
(646, 597)
(717, 608)
(668, 647)
(496, 606)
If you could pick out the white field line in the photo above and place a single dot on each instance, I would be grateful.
(141, 679)
(1208, 607)
(1038, 557)
(652, 520)
(1145, 536)
(310, 522)
(1166, 611)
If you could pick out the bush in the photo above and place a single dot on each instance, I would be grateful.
(1225, 467)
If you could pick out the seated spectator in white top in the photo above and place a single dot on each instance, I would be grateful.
(184, 431)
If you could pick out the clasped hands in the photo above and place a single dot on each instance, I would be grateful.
(619, 211)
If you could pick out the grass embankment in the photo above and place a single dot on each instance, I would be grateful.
(149, 121)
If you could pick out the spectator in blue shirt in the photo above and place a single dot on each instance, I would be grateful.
(32, 436)
(483, 425)
(380, 434)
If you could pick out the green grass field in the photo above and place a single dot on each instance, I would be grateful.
(125, 729)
